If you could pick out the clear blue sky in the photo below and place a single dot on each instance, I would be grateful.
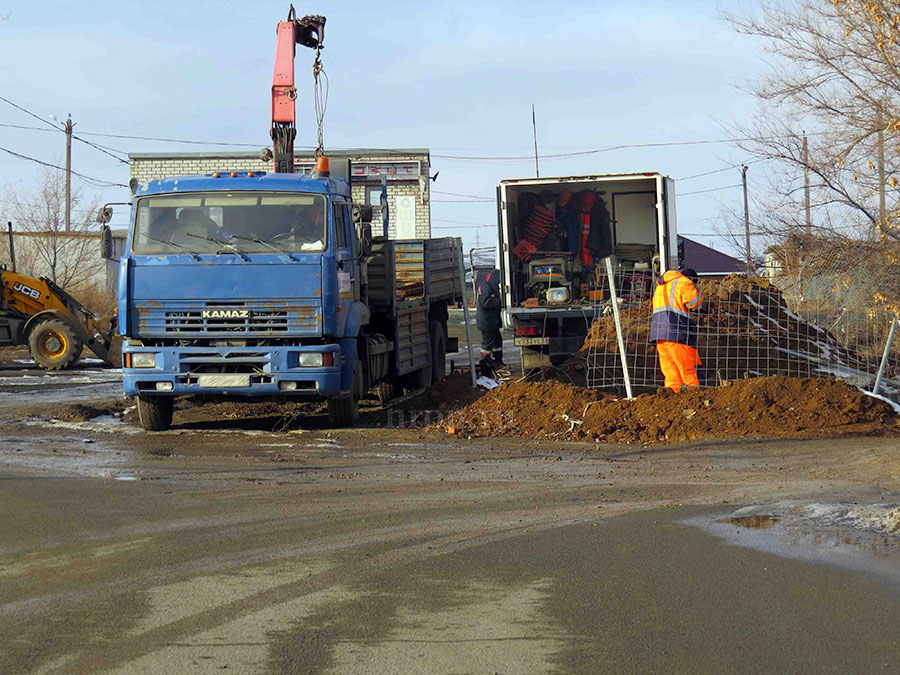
(458, 78)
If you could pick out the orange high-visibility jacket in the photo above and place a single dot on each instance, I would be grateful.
(674, 300)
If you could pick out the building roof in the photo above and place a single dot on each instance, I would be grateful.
(254, 154)
(709, 261)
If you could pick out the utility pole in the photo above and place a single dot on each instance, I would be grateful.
(537, 171)
(68, 127)
(806, 184)
(747, 220)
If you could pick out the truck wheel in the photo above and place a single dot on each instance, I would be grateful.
(438, 351)
(54, 345)
(155, 412)
(421, 379)
(343, 411)
(387, 391)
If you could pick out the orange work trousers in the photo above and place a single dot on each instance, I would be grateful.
(678, 363)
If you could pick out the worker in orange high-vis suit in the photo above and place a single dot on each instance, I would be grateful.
(675, 329)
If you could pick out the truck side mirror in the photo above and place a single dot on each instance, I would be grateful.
(106, 248)
(362, 214)
(105, 214)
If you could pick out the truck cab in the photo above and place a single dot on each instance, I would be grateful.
(253, 284)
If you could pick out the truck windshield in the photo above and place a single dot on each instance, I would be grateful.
(200, 222)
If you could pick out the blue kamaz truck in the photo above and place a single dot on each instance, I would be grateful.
(254, 284)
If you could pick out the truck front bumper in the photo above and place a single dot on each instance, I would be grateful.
(231, 371)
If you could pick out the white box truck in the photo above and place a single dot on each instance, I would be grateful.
(554, 236)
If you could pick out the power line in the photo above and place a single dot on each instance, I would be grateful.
(462, 227)
(727, 168)
(96, 181)
(700, 192)
(28, 112)
(461, 222)
(625, 146)
(97, 147)
(456, 194)
(22, 126)
(172, 140)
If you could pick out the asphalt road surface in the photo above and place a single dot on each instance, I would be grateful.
(215, 548)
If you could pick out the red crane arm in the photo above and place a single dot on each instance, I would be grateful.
(309, 32)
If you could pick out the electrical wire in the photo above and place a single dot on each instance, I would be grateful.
(28, 112)
(94, 181)
(456, 194)
(174, 140)
(97, 147)
(700, 192)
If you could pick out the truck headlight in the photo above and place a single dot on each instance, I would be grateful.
(143, 360)
(315, 359)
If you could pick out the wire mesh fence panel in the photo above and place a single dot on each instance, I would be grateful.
(829, 316)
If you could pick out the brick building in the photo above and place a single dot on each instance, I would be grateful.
(406, 172)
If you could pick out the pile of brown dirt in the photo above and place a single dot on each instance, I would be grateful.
(746, 329)
(757, 407)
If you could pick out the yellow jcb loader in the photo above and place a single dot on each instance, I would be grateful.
(54, 325)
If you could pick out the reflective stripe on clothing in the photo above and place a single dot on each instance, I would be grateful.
(673, 300)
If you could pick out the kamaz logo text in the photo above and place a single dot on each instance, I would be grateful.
(225, 314)
(25, 290)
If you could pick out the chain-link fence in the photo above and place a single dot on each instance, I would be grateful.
(820, 309)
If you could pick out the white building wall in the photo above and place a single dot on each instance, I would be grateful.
(146, 167)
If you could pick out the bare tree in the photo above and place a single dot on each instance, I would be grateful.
(69, 258)
(834, 71)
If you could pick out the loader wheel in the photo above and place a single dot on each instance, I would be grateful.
(343, 411)
(155, 412)
(54, 345)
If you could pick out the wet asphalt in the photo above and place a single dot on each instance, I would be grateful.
(396, 552)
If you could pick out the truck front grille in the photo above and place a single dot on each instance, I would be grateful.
(258, 322)
(180, 319)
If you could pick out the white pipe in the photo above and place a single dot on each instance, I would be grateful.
(615, 306)
(884, 357)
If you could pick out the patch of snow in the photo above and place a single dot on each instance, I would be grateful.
(853, 377)
(753, 302)
(893, 404)
(82, 426)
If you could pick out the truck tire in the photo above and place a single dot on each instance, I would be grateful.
(421, 379)
(54, 345)
(155, 412)
(438, 334)
(343, 411)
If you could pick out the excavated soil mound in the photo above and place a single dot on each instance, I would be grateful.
(746, 329)
(766, 406)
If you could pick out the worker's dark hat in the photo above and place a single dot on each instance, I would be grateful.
(690, 273)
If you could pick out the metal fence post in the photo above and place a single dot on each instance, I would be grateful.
(465, 304)
(615, 307)
(884, 357)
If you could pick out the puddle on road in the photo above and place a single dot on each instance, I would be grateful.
(861, 537)
(61, 455)
(107, 419)
(755, 522)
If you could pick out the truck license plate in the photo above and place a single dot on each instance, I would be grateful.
(531, 341)
(221, 381)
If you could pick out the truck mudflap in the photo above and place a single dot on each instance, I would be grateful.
(307, 371)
